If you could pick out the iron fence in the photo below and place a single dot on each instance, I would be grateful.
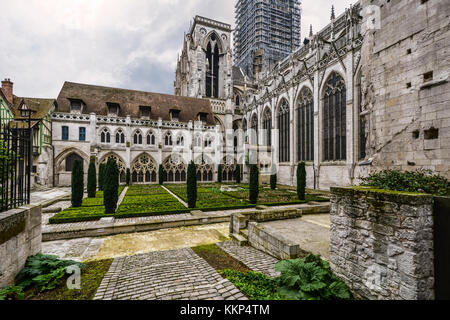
(15, 163)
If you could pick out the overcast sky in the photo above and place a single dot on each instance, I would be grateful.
(129, 44)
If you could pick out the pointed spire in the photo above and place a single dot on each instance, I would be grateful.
(310, 31)
(332, 13)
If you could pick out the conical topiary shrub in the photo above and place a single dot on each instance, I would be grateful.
(161, 174)
(273, 178)
(111, 187)
(92, 180)
(101, 176)
(77, 184)
(301, 180)
(128, 177)
(254, 183)
(191, 185)
(237, 174)
(219, 174)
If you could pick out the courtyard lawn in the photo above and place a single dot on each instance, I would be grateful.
(149, 200)
(209, 197)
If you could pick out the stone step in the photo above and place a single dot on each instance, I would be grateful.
(239, 239)
(244, 233)
(314, 209)
(52, 210)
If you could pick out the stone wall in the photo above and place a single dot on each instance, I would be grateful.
(20, 237)
(382, 243)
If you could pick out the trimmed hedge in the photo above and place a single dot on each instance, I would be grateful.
(128, 177)
(161, 174)
(254, 184)
(301, 180)
(92, 180)
(219, 174)
(77, 184)
(237, 174)
(191, 185)
(111, 187)
(101, 176)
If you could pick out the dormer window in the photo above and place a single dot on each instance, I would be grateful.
(202, 116)
(76, 106)
(174, 114)
(145, 111)
(113, 109)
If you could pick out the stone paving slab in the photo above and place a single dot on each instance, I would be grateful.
(165, 275)
(253, 258)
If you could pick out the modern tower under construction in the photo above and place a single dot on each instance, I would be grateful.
(266, 32)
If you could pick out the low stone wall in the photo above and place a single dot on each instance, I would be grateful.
(382, 243)
(20, 237)
(272, 242)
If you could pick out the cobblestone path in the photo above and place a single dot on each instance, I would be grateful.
(253, 258)
(165, 275)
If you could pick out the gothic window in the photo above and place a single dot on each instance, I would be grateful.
(70, 160)
(144, 169)
(254, 130)
(197, 140)
(168, 139)
(208, 141)
(180, 140)
(283, 132)
(105, 136)
(236, 135)
(120, 136)
(120, 166)
(138, 137)
(174, 169)
(228, 169)
(305, 126)
(205, 170)
(237, 100)
(334, 119)
(151, 139)
(267, 126)
(212, 68)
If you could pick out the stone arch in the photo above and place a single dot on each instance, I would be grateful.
(65, 153)
(175, 169)
(120, 164)
(229, 169)
(218, 40)
(205, 169)
(144, 169)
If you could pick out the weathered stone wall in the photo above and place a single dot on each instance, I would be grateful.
(382, 243)
(20, 237)
(405, 84)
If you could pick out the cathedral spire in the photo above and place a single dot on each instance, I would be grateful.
(332, 13)
(310, 31)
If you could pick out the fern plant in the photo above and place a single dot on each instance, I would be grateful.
(310, 278)
(11, 293)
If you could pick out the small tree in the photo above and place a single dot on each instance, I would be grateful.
(161, 174)
(219, 174)
(77, 184)
(128, 177)
(191, 185)
(273, 178)
(237, 173)
(92, 180)
(101, 176)
(301, 180)
(111, 187)
(254, 183)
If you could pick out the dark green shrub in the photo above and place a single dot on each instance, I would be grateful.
(301, 180)
(161, 174)
(101, 176)
(219, 174)
(254, 183)
(310, 278)
(273, 181)
(424, 181)
(92, 180)
(237, 173)
(128, 177)
(111, 187)
(11, 293)
(191, 185)
(77, 184)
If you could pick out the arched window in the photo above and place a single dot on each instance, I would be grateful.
(197, 140)
(267, 126)
(151, 139)
(144, 169)
(168, 139)
(120, 136)
(334, 119)
(138, 137)
(205, 170)
(254, 130)
(212, 68)
(283, 131)
(120, 165)
(105, 136)
(180, 140)
(228, 169)
(208, 141)
(237, 100)
(174, 169)
(305, 126)
(70, 160)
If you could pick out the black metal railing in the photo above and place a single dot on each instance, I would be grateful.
(15, 163)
